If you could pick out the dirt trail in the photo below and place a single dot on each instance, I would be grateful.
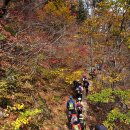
(86, 113)
(86, 109)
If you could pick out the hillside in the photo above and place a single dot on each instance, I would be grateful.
(47, 44)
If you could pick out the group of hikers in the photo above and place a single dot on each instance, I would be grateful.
(76, 119)
(75, 116)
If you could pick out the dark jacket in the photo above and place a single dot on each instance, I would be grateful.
(76, 83)
(85, 83)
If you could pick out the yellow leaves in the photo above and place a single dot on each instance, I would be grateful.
(74, 76)
(55, 14)
(91, 89)
(36, 111)
(50, 7)
(128, 46)
(19, 122)
(27, 85)
(19, 106)
(64, 74)
(16, 107)
(114, 115)
(25, 77)
(2, 37)
(3, 84)
(117, 78)
(77, 36)
(104, 78)
(24, 118)
(108, 125)
(115, 111)
(51, 74)
(60, 72)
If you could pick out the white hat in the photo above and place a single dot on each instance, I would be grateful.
(79, 99)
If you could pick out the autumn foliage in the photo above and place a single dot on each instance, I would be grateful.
(44, 46)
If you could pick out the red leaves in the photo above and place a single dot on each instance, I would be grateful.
(54, 61)
(83, 50)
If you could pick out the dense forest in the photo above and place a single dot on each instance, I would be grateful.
(47, 44)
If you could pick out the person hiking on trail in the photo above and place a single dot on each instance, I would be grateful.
(85, 84)
(84, 77)
(93, 73)
(79, 106)
(73, 119)
(82, 121)
(100, 127)
(71, 105)
(76, 126)
(79, 91)
(99, 66)
(76, 83)
(69, 115)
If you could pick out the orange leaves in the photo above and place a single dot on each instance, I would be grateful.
(55, 14)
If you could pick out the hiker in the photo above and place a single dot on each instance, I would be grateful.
(99, 66)
(69, 115)
(79, 106)
(70, 108)
(79, 91)
(84, 77)
(82, 121)
(100, 127)
(85, 84)
(76, 126)
(92, 73)
(73, 118)
(76, 83)
(71, 105)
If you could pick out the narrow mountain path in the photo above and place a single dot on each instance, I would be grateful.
(86, 109)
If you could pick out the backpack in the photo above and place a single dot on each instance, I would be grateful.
(86, 84)
(76, 84)
(71, 105)
(79, 89)
(74, 119)
(99, 67)
(79, 105)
